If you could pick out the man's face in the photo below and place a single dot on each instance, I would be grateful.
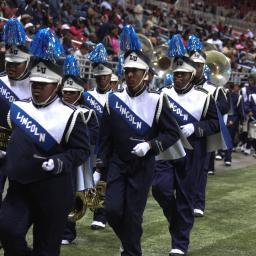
(42, 91)
(251, 81)
(199, 70)
(181, 79)
(133, 76)
(70, 96)
(102, 81)
(15, 69)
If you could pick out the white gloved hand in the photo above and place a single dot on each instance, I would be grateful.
(141, 149)
(48, 165)
(187, 129)
(2, 154)
(96, 177)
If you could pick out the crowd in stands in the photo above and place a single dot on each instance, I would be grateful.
(82, 23)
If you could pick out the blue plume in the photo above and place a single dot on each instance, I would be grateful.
(194, 44)
(120, 70)
(98, 54)
(168, 80)
(46, 45)
(71, 66)
(176, 47)
(207, 72)
(14, 33)
(129, 39)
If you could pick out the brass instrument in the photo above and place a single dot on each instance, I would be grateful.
(158, 56)
(95, 197)
(4, 137)
(220, 67)
(80, 207)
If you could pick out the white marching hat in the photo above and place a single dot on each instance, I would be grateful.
(136, 59)
(100, 69)
(198, 57)
(17, 54)
(184, 64)
(46, 72)
(72, 83)
(114, 78)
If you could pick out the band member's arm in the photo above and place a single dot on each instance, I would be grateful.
(168, 130)
(223, 101)
(241, 110)
(93, 126)
(77, 148)
(105, 139)
(210, 123)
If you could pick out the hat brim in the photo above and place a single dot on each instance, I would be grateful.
(70, 89)
(15, 59)
(42, 80)
(104, 73)
(133, 65)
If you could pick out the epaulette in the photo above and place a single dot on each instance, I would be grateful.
(151, 90)
(68, 104)
(83, 106)
(211, 83)
(200, 88)
(3, 74)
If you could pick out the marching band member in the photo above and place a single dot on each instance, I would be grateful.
(194, 47)
(114, 82)
(14, 83)
(250, 107)
(73, 94)
(196, 113)
(95, 99)
(52, 141)
(219, 95)
(245, 92)
(235, 118)
(136, 125)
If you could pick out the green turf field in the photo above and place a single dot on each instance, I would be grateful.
(228, 229)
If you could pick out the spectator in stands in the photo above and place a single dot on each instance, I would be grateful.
(84, 50)
(111, 42)
(214, 39)
(30, 31)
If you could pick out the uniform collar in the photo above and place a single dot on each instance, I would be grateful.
(135, 94)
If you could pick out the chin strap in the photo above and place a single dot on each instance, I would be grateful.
(48, 100)
(78, 98)
(23, 73)
(187, 84)
(142, 80)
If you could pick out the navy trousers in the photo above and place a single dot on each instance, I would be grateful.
(45, 204)
(127, 190)
(175, 187)
(170, 190)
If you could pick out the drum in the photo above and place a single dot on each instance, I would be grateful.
(252, 130)
(4, 137)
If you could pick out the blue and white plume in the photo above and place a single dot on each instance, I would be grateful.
(46, 45)
(14, 33)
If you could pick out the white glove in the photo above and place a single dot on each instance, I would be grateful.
(96, 177)
(141, 149)
(48, 165)
(187, 129)
(2, 154)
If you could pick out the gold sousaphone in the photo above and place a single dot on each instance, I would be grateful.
(157, 55)
(220, 67)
